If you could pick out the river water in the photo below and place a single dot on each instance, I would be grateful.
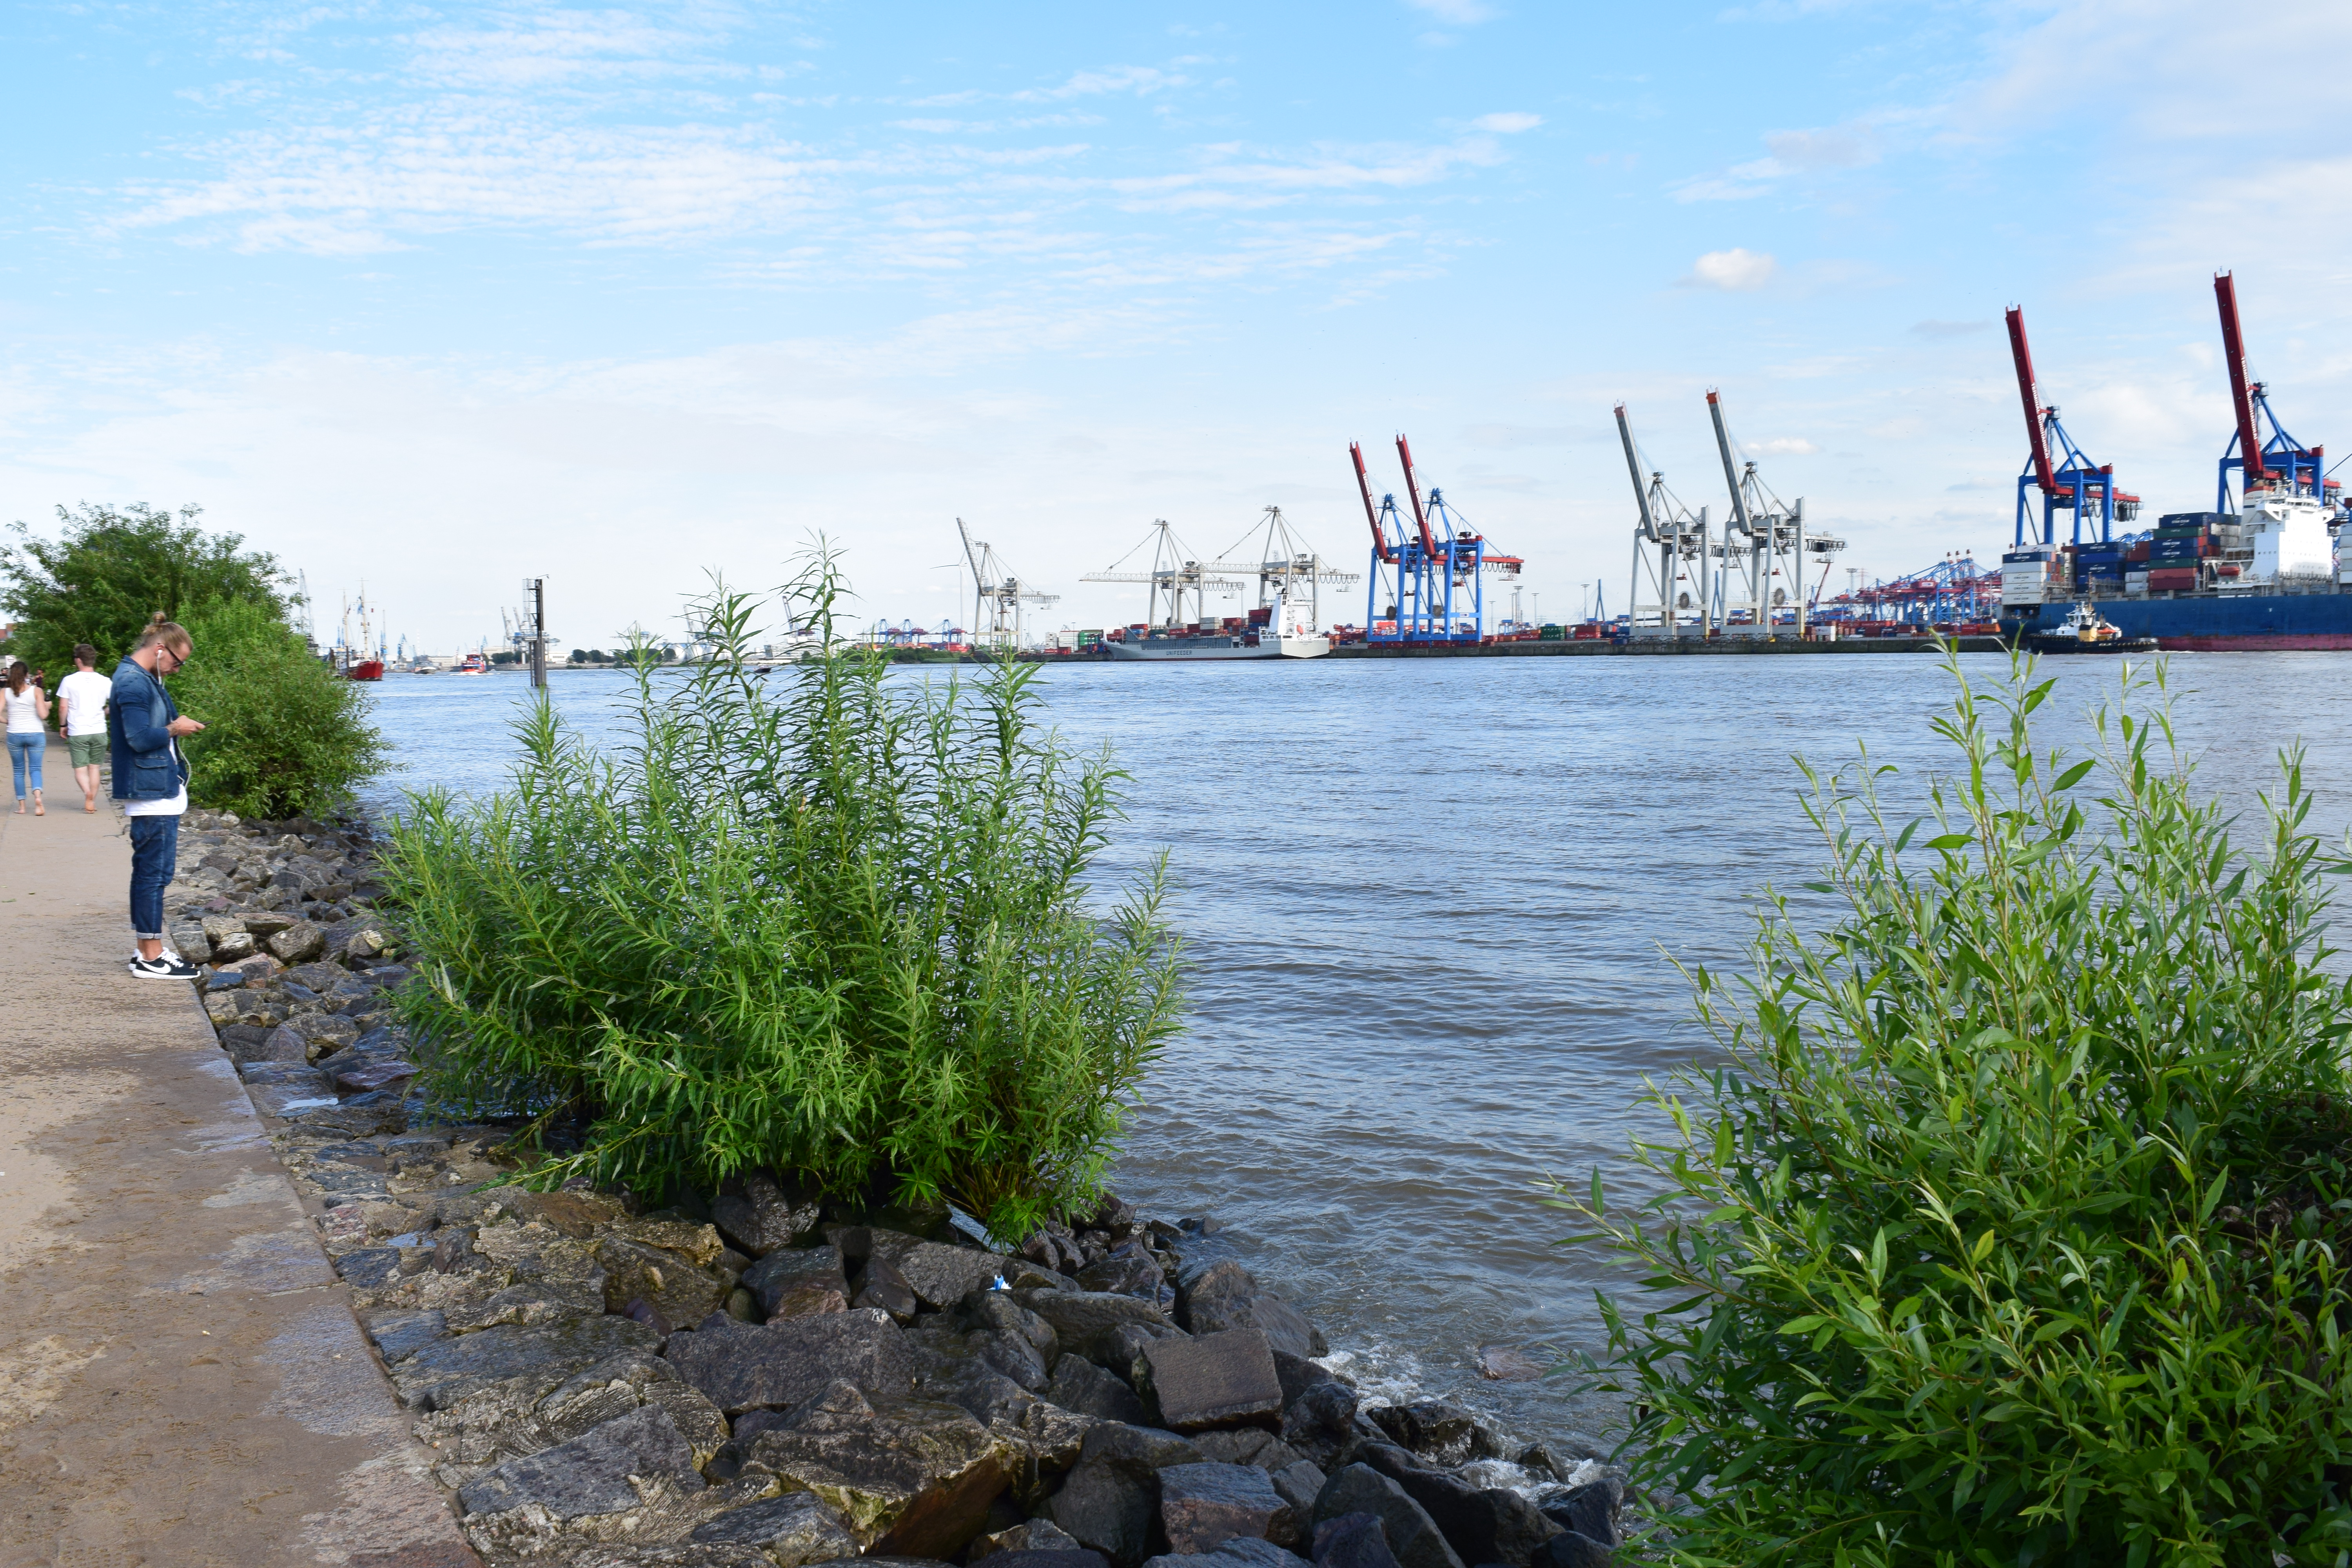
(1431, 906)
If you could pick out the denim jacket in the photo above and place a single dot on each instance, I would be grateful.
(139, 737)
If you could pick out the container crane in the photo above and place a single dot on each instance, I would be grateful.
(1773, 574)
(2283, 463)
(2076, 484)
(998, 595)
(1432, 575)
(1287, 575)
(1678, 575)
(1176, 575)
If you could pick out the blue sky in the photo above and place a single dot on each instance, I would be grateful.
(433, 297)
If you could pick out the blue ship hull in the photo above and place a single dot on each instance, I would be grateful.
(2210, 622)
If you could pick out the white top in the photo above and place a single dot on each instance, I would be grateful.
(85, 692)
(24, 717)
(175, 807)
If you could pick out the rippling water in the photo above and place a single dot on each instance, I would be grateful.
(1430, 907)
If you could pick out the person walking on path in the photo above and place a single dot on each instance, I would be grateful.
(82, 695)
(150, 778)
(28, 735)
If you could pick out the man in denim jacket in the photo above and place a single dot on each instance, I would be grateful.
(151, 779)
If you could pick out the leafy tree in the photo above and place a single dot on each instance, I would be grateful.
(284, 733)
(107, 571)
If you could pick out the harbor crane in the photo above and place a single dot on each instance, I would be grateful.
(2282, 462)
(1772, 576)
(1176, 576)
(2075, 484)
(1678, 574)
(1432, 575)
(1286, 571)
(998, 595)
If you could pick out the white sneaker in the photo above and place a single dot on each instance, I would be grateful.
(168, 966)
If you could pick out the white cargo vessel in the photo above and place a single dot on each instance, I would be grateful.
(1178, 628)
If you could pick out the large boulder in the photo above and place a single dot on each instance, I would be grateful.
(799, 1282)
(443, 1371)
(1087, 1322)
(1202, 1506)
(600, 1486)
(1438, 1430)
(791, 1530)
(764, 1217)
(1592, 1509)
(298, 944)
(782, 1364)
(1322, 1424)
(1079, 1384)
(912, 1479)
(1483, 1524)
(1353, 1541)
(1224, 1294)
(527, 1414)
(1225, 1379)
(1111, 1500)
(939, 1274)
(669, 1282)
(1411, 1534)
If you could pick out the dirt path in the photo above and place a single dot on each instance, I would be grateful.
(181, 1380)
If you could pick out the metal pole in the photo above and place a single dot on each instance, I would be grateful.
(539, 633)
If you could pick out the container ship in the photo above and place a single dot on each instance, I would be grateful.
(2260, 571)
(1177, 628)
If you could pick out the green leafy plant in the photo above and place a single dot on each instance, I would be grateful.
(284, 735)
(109, 571)
(2013, 1227)
(823, 922)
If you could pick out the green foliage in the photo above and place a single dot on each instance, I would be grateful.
(108, 573)
(826, 922)
(284, 735)
(2015, 1231)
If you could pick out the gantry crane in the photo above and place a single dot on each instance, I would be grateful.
(2076, 484)
(998, 595)
(1288, 574)
(1176, 575)
(1678, 575)
(1771, 578)
(2283, 463)
(1434, 572)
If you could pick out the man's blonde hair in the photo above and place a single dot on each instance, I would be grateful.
(171, 633)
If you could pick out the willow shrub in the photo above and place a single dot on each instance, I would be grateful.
(2013, 1228)
(823, 921)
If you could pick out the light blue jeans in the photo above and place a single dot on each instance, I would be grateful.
(24, 754)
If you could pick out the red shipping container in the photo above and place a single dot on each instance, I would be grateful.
(2137, 552)
(2161, 581)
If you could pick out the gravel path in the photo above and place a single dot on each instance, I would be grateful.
(180, 1378)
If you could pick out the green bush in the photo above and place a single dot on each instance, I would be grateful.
(284, 735)
(2014, 1228)
(826, 922)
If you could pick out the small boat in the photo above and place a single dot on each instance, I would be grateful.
(2084, 630)
(365, 669)
(475, 664)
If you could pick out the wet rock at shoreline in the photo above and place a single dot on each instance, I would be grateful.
(1412, 1535)
(1483, 1524)
(1224, 1379)
(779, 1365)
(1202, 1506)
(1353, 1541)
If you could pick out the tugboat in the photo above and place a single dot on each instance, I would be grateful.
(2086, 631)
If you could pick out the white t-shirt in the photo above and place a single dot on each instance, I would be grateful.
(175, 807)
(85, 692)
(24, 709)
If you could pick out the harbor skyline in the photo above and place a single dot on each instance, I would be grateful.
(436, 303)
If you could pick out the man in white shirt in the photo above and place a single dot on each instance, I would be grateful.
(81, 700)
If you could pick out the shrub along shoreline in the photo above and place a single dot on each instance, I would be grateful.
(760, 1374)
(664, 1134)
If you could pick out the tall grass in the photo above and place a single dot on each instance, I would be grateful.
(823, 922)
(2014, 1230)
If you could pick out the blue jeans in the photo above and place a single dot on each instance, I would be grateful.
(24, 753)
(154, 855)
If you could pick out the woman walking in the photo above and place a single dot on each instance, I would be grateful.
(28, 734)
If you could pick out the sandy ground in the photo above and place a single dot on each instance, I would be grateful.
(181, 1378)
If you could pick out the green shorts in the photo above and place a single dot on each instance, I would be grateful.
(87, 750)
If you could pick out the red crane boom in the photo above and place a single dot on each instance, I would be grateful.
(1372, 515)
(2043, 475)
(1412, 489)
(2249, 445)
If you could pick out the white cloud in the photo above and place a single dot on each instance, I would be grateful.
(1734, 270)
(1781, 447)
(1507, 124)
